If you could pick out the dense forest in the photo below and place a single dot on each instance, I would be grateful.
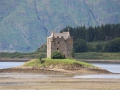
(108, 33)
(91, 39)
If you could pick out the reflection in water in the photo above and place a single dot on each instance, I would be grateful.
(21, 75)
(30, 75)
(98, 76)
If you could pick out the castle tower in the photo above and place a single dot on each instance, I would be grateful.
(60, 41)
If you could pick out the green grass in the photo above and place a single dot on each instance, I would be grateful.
(33, 62)
(63, 62)
(9, 55)
(94, 43)
(98, 55)
(20, 55)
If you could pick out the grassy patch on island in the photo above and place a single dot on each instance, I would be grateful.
(47, 62)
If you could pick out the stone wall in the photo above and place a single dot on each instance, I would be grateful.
(49, 40)
(65, 46)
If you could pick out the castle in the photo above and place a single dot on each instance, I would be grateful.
(60, 41)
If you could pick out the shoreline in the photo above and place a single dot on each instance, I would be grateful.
(15, 59)
(102, 61)
(54, 70)
(59, 84)
(57, 71)
(85, 60)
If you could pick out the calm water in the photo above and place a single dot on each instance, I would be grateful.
(110, 67)
(9, 64)
(22, 75)
(115, 76)
(115, 68)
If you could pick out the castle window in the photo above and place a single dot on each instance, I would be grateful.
(58, 42)
(57, 48)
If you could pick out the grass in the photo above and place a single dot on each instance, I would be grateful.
(94, 43)
(98, 55)
(33, 62)
(92, 46)
(63, 62)
(20, 55)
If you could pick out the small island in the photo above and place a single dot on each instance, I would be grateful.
(59, 59)
(57, 66)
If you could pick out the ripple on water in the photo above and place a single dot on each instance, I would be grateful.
(12, 83)
(21, 75)
(115, 76)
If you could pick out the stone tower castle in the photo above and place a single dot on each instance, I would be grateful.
(60, 41)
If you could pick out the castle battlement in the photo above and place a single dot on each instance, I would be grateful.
(60, 41)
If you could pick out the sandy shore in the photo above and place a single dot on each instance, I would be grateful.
(57, 71)
(59, 80)
(58, 84)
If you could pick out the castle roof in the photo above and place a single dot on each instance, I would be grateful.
(65, 35)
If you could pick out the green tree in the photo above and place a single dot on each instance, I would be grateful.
(113, 46)
(80, 46)
(72, 53)
(40, 56)
(57, 55)
(90, 34)
(99, 47)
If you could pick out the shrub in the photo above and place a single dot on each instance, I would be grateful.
(80, 46)
(99, 47)
(90, 48)
(57, 55)
(40, 56)
(113, 46)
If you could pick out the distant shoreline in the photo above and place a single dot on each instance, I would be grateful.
(103, 61)
(15, 60)
(85, 60)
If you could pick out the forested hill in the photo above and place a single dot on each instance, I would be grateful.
(104, 38)
(25, 24)
(98, 33)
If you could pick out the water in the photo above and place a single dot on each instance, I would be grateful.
(30, 75)
(115, 76)
(10, 64)
(22, 75)
(115, 68)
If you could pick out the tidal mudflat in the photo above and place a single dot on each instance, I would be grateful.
(59, 84)
(36, 79)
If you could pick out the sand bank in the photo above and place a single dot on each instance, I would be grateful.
(59, 84)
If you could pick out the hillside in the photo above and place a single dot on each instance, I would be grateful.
(25, 24)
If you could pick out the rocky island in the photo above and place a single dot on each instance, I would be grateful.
(57, 66)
